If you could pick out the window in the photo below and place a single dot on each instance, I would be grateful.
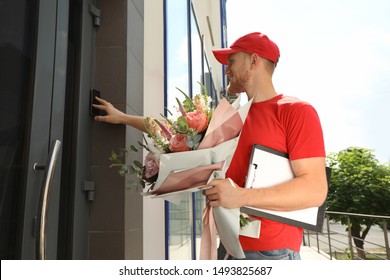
(186, 67)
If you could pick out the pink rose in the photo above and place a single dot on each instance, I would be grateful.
(178, 143)
(151, 165)
(197, 120)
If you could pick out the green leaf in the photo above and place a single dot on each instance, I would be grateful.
(138, 164)
(113, 157)
(166, 119)
(204, 89)
(131, 170)
(188, 104)
(169, 112)
(123, 170)
(133, 148)
(142, 144)
(116, 165)
(181, 125)
(185, 95)
(244, 221)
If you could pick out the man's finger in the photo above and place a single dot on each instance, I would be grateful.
(209, 191)
(100, 118)
(214, 203)
(100, 107)
(102, 101)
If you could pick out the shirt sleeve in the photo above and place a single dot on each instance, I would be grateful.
(304, 132)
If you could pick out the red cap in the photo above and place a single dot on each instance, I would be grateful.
(251, 43)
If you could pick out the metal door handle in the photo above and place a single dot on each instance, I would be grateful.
(44, 199)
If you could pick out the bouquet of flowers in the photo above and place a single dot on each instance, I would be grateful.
(167, 135)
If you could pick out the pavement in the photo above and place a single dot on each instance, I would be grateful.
(309, 253)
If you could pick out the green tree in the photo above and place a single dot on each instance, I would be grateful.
(359, 184)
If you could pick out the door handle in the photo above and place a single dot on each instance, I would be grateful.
(45, 197)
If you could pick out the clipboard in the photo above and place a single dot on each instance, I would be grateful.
(268, 167)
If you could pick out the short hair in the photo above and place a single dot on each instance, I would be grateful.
(269, 65)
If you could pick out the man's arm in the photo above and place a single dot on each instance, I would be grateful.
(115, 116)
(307, 189)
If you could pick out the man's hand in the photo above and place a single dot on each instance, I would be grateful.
(113, 115)
(224, 193)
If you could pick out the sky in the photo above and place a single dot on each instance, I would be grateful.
(335, 54)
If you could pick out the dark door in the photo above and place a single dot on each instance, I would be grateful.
(46, 66)
(33, 54)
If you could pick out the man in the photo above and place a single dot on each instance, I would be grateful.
(279, 122)
(276, 121)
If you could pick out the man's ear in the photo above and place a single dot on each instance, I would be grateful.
(254, 58)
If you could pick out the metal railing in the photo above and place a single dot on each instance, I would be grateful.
(337, 241)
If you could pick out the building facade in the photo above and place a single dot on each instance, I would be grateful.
(59, 197)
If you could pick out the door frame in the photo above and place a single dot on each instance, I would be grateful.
(75, 198)
(46, 123)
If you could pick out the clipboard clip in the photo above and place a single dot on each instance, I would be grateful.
(252, 174)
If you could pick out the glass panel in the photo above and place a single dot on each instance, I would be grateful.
(180, 230)
(177, 51)
(196, 55)
(177, 75)
(17, 38)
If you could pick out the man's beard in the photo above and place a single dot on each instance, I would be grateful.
(236, 85)
(234, 88)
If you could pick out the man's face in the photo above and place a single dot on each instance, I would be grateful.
(238, 72)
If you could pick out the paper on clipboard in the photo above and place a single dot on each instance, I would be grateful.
(269, 167)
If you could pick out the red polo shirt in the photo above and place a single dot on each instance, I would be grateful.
(289, 125)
